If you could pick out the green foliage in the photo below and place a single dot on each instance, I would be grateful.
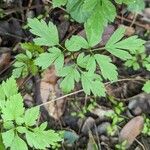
(70, 74)
(139, 59)
(54, 55)
(136, 6)
(18, 122)
(146, 129)
(76, 43)
(82, 66)
(116, 116)
(2, 14)
(24, 63)
(58, 3)
(95, 14)
(121, 48)
(85, 109)
(124, 1)
(121, 146)
(47, 33)
(146, 87)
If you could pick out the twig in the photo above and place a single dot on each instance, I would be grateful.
(62, 97)
(134, 19)
(140, 144)
(147, 27)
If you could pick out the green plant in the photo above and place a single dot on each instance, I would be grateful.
(146, 129)
(95, 15)
(121, 146)
(24, 63)
(85, 109)
(146, 87)
(116, 116)
(83, 58)
(19, 127)
(139, 59)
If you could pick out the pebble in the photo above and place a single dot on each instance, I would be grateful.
(88, 125)
(102, 128)
(140, 104)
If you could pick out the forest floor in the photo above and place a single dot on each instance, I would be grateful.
(82, 117)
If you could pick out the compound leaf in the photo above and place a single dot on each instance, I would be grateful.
(75, 43)
(41, 139)
(8, 137)
(18, 144)
(10, 87)
(31, 115)
(92, 83)
(106, 67)
(47, 33)
(54, 56)
(13, 108)
(95, 24)
(71, 75)
(121, 48)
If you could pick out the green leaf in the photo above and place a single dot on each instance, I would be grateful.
(82, 60)
(54, 56)
(8, 137)
(121, 48)
(10, 87)
(87, 62)
(124, 1)
(43, 126)
(136, 6)
(8, 125)
(18, 144)
(89, 5)
(13, 108)
(75, 8)
(32, 47)
(2, 97)
(106, 67)
(47, 33)
(71, 75)
(146, 87)
(31, 115)
(40, 139)
(21, 129)
(98, 20)
(75, 43)
(2, 147)
(148, 66)
(94, 27)
(58, 3)
(92, 83)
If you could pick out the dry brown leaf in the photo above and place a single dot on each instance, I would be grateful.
(49, 90)
(131, 130)
(4, 60)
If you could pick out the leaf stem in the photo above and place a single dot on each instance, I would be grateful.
(62, 47)
(98, 49)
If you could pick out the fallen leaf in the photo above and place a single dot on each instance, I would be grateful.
(4, 60)
(131, 130)
(49, 90)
